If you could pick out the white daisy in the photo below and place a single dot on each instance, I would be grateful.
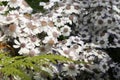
(48, 5)
(71, 69)
(23, 44)
(76, 48)
(34, 52)
(24, 7)
(50, 40)
(65, 30)
(44, 49)
(14, 30)
(31, 28)
(34, 40)
(74, 55)
(77, 40)
(103, 66)
(8, 19)
(14, 3)
(54, 32)
(59, 22)
(3, 9)
(72, 9)
(65, 51)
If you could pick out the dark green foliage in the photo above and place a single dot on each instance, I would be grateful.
(35, 5)
(61, 37)
(3, 3)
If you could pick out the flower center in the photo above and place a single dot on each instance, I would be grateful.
(68, 7)
(12, 27)
(55, 34)
(31, 26)
(76, 7)
(9, 18)
(32, 53)
(22, 45)
(50, 23)
(33, 38)
(100, 21)
(65, 30)
(42, 49)
(75, 46)
(71, 17)
(51, 42)
(71, 67)
(43, 23)
(102, 42)
(58, 20)
(66, 51)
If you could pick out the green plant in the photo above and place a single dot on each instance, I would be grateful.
(22, 65)
(34, 4)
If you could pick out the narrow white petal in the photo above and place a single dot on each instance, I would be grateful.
(16, 46)
(16, 42)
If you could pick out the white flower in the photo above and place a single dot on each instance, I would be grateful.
(3, 9)
(50, 40)
(59, 22)
(34, 40)
(15, 13)
(23, 44)
(71, 69)
(13, 30)
(72, 9)
(64, 52)
(16, 77)
(65, 30)
(7, 19)
(104, 3)
(116, 2)
(53, 32)
(31, 28)
(77, 40)
(116, 9)
(103, 66)
(14, 3)
(25, 8)
(34, 52)
(103, 40)
(2, 37)
(84, 3)
(44, 25)
(45, 49)
(60, 9)
(49, 5)
(40, 76)
(74, 55)
(76, 48)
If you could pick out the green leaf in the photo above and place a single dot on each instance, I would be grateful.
(35, 5)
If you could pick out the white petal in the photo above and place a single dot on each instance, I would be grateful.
(16, 46)
(16, 42)
(23, 51)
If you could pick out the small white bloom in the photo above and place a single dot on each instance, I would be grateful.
(14, 3)
(23, 44)
(71, 69)
(65, 30)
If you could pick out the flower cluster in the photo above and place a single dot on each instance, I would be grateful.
(76, 29)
